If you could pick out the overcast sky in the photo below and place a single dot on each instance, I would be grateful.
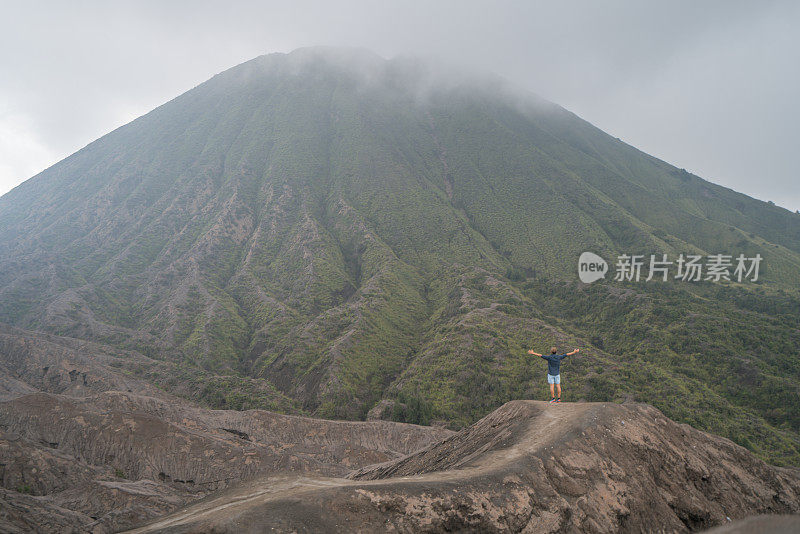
(708, 86)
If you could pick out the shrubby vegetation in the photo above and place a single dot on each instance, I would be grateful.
(298, 239)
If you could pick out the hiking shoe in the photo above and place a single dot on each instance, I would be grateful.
(552, 400)
(558, 399)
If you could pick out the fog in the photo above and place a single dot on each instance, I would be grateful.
(707, 86)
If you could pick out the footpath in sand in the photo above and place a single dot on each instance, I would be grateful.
(527, 467)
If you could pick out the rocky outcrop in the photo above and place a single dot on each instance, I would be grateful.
(527, 467)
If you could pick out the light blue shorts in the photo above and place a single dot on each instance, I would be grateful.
(553, 379)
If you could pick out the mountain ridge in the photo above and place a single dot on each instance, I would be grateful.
(527, 466)
(342, 235)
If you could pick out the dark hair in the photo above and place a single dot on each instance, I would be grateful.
(553, 350)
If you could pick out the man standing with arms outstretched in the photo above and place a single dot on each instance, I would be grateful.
(554, 370)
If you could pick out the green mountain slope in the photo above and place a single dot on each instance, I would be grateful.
(348, 229)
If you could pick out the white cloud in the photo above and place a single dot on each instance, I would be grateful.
(22, 154)
(683, 80)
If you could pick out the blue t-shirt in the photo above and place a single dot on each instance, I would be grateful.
(554, 363)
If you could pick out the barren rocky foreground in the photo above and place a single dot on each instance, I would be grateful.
(527, 467)
(87, 447)
(79, 455)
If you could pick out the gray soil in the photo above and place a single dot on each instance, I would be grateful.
(527, 467)
(87, 447)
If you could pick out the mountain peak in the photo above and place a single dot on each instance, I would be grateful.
(327, 229)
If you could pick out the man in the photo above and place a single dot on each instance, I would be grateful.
(554, 370)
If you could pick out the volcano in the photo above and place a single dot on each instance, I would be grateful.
(328, 233)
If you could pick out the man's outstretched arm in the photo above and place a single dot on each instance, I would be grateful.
(576, 351)
(534, 353)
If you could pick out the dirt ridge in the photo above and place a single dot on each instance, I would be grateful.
(527, 467)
